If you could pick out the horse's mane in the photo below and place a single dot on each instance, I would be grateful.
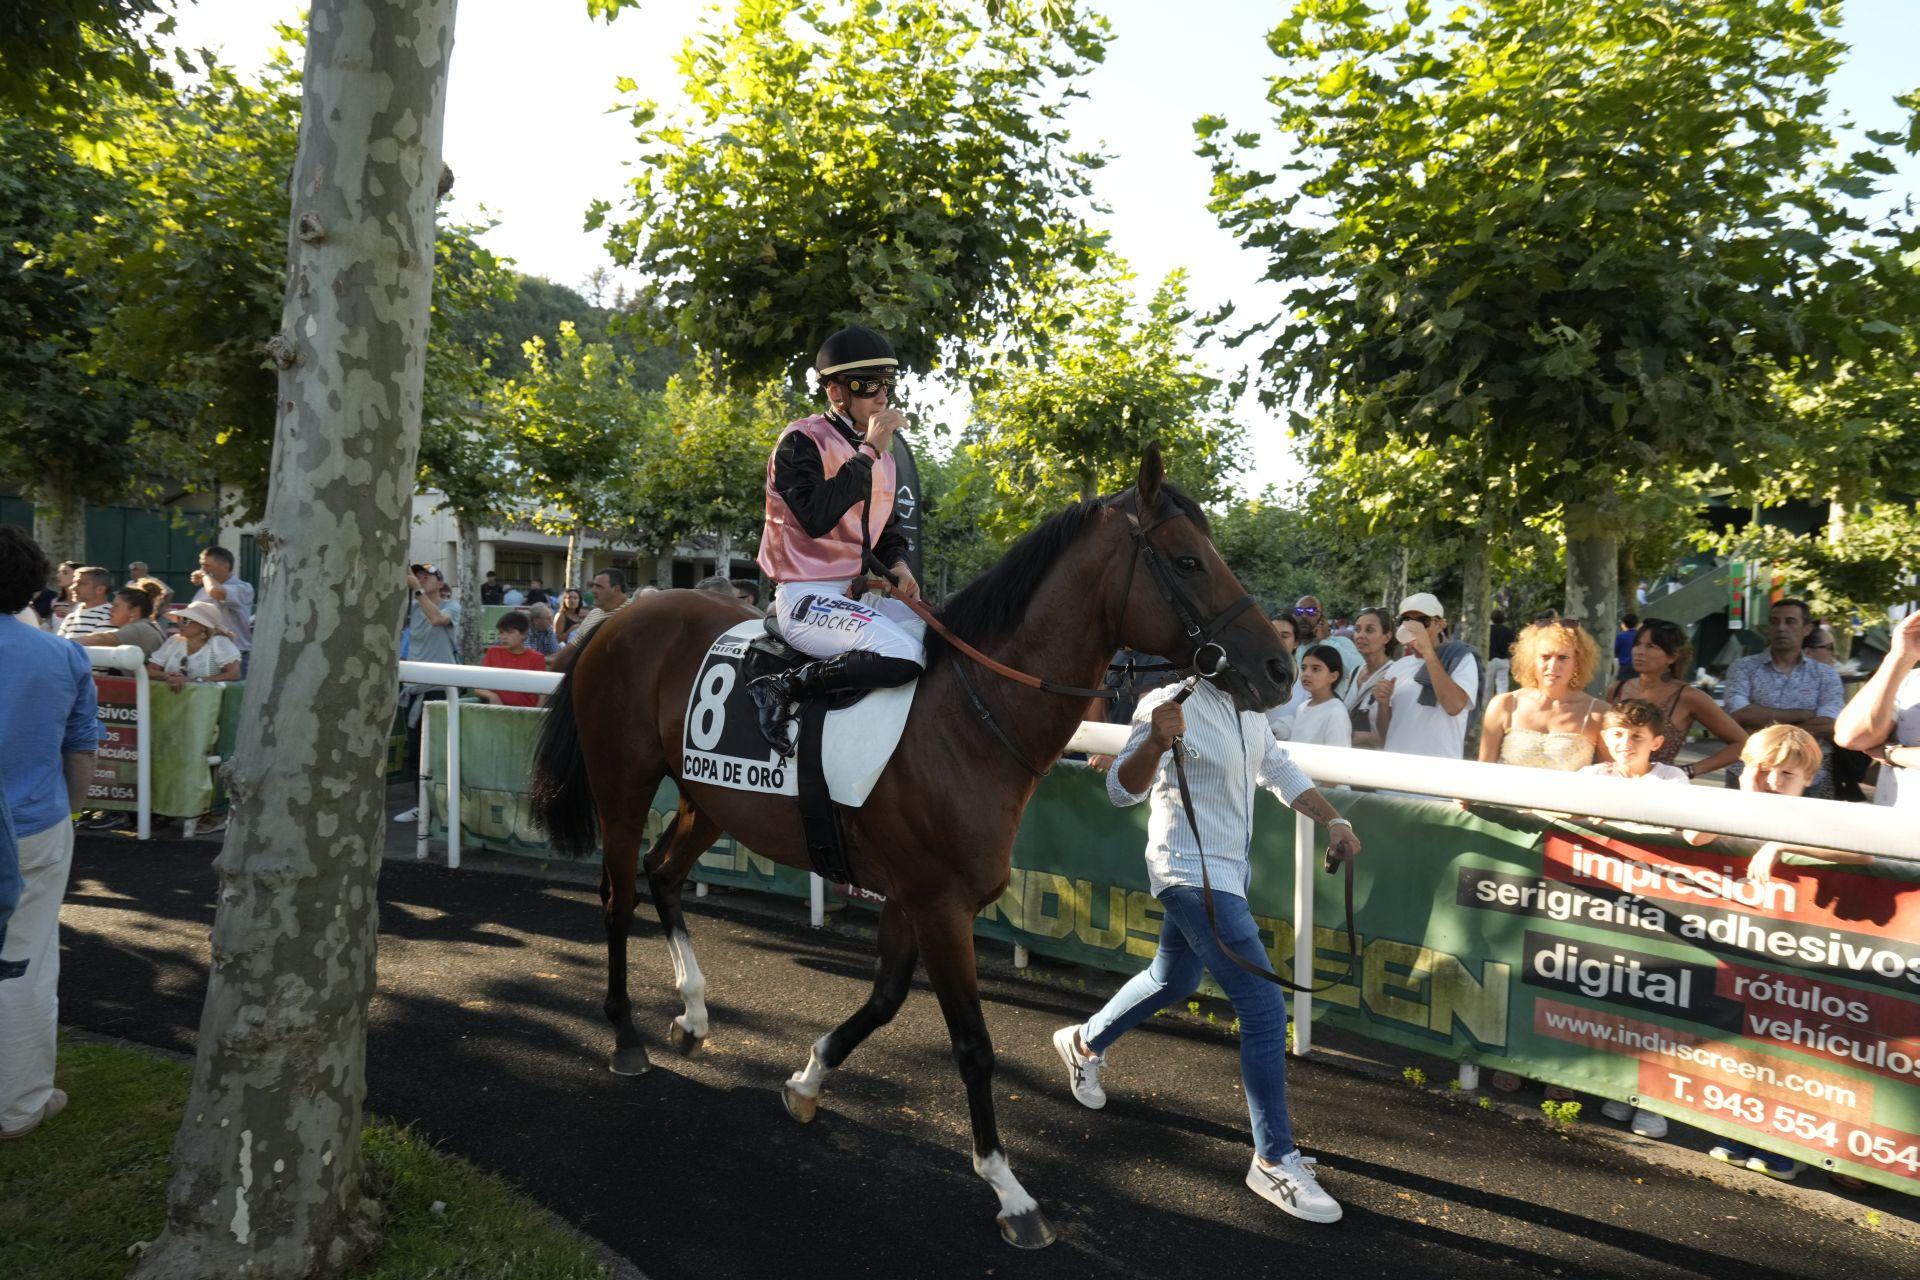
(994, 603)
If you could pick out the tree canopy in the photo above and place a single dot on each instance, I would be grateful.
(1555, 248)
(1069, 420)
(898, 165)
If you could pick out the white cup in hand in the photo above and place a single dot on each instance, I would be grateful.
(1408, 633)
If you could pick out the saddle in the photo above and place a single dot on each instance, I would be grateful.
(768, 654)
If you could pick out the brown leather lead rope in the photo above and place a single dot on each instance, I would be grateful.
(1206, 882)
(998, 668)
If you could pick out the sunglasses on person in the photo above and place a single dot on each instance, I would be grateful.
(1306, 611)
(1417, 619)
(861, 384)
(1827, 645)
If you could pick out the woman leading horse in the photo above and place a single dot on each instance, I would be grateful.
(936, 835)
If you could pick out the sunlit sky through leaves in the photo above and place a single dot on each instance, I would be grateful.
(532, 141)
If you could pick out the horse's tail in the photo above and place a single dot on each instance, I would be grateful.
(561, 795)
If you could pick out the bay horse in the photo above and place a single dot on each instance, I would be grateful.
(936, 835)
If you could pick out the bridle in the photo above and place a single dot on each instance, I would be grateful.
(1203, 632)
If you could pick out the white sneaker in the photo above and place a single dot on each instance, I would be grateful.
(1616, 1111)
(1293, 1188)
(56, 1103)
(1083, 1073)
(1648, 1125)
(411, 815)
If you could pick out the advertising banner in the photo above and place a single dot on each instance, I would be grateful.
(1636, 967)
(116, 779)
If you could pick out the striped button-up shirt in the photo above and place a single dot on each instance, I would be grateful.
(1229, 754)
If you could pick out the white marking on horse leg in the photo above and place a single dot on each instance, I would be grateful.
(807, 1082)
(1014, 1199)
(690, 981)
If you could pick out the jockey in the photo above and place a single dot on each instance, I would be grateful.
(829, 493)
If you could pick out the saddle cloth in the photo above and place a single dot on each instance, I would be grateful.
(722, 746)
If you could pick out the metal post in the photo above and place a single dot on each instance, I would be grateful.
(1469, 1077)
(419, 833)
(1302, 933)
(816, 900)
(699, 888)
(1020, 956)
(453, 776)
(143, 750)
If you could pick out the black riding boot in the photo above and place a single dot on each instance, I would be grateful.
(775, 695)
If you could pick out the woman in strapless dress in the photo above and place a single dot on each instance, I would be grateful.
(1550, 721)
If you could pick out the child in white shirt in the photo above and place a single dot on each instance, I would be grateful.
(1631, 732)
(1323, 719)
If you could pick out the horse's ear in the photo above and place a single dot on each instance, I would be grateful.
(1152, 475)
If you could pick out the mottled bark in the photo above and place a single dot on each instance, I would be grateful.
(1396, 577)
(1838, 515)
(467, 589)
(267, 1163)
(60, 525)
(576, 560)
(1476, 589)
(1593, 584)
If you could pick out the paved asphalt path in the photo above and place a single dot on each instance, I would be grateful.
(487, 1035)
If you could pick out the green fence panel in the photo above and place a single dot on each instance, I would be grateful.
(1634, 967)
(187, 728)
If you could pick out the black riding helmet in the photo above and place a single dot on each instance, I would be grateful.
(855, 349)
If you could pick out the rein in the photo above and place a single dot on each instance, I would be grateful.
(1206, 883)
(933, 622)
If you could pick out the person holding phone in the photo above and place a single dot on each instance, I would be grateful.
(1426, 697)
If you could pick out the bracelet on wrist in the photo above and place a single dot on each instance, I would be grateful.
(1340, 822)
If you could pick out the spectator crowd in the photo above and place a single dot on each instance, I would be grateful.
(1401, 681)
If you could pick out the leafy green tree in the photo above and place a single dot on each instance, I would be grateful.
(73, 429)
(577, 420)
(465, 451)
(57, 56)
(707, 473)
(267, 1163)
(896, 163)
(1560, 247)
(189, 263)
(1067, 420)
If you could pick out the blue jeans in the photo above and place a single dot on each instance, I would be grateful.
(1187, 949)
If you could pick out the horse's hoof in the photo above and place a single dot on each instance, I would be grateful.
(1029, 1230)
(684, 1042)
(631, 1061)
(799, 1105)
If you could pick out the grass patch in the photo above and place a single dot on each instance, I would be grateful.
(92, 1181)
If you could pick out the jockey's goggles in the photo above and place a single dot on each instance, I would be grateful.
(867, 384)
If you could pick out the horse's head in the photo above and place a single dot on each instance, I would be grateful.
(1184, 603)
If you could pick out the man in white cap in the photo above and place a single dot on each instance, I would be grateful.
(1423, 700)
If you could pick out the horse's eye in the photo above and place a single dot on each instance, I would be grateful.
(1188, 564)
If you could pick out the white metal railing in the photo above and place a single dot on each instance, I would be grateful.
(131, 658)
(1824, 824)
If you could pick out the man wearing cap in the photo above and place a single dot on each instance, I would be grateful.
(1424, 698)
(830, 501)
